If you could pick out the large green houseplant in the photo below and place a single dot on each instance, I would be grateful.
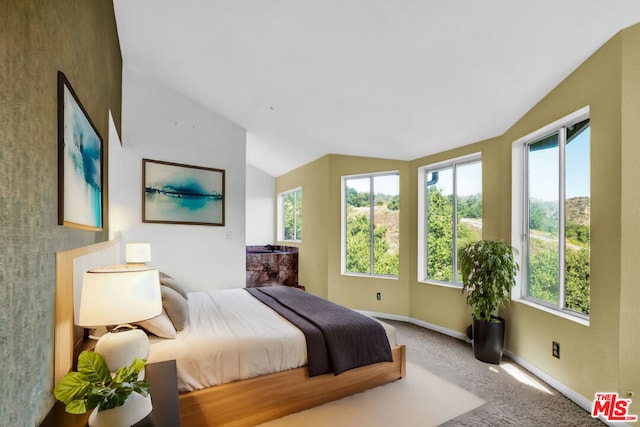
(93, 386)
(488, 269)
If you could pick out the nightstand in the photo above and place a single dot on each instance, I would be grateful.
(163, 380)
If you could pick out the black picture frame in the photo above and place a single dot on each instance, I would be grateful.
(80, 163)
(176, 193)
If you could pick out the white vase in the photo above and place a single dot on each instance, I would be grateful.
(121, 348)
(135, 408)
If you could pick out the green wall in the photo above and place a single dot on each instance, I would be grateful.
(313, 254)
(596, 83)
(357, 291)
(38, 38)
(629, 351)
(600, 357)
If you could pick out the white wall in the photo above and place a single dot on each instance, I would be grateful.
(260, 207)
(161, 124)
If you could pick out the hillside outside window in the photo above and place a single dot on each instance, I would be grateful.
(557, 212)
(371, 224)
(450, 216)
(290, 215)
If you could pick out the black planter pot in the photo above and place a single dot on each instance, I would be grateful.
(488, 340)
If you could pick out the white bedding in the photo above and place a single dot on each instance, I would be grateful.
(231, 336)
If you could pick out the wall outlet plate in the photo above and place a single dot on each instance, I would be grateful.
(555, 349)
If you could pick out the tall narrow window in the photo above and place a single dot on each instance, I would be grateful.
(558, 218)
(451, 212)
(290, 215)
(371, 224)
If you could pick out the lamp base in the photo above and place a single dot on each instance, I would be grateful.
(121, 348)
(134, 409)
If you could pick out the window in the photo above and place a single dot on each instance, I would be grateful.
(450, 195)
(555, 223)
(371, 226)
(290, 215)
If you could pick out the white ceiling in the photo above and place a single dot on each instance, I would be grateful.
(397, 79)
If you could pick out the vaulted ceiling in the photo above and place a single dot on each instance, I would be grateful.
(397, 79)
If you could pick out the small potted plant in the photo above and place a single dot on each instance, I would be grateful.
(488, 271)
(113, 397)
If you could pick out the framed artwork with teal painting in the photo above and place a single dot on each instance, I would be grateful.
(80, 192)
(174, 193)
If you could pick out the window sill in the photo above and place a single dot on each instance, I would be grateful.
(558, 313)
(370, 276)
(443, 284)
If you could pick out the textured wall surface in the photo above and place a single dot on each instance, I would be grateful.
(37, 39)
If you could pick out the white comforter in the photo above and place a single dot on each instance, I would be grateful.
(230, 336)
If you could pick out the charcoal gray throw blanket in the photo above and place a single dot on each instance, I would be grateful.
(338, 339)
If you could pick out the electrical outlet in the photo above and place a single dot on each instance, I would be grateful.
(556, 350)
(378, 296)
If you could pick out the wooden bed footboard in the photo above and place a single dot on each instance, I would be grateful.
(257, 400)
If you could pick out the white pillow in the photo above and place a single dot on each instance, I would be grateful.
(160, 326)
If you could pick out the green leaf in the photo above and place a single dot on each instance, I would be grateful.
(98, 399)
(141, 387)
(117, 398)
(488, 269)
(94, 367)
(72, 386)
(77, 407)
(129, 373)
(92, 386)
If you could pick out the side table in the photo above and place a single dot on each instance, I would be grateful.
(163, 381)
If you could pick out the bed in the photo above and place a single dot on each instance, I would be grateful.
(217, 398)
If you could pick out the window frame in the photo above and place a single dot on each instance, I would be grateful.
(281, 227)
(520, 215)
(343, 224)
(423, 199)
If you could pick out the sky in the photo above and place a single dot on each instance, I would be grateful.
(383, 184)
(545, 162)
(469, 180)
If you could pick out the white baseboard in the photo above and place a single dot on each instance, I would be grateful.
(426, 325)
(569, 393)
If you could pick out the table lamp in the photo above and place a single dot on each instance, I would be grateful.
(114, 297)
(137, 254)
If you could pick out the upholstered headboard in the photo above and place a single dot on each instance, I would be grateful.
(70, 267)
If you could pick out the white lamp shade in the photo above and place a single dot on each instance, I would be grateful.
(114, 296)
(137, 252)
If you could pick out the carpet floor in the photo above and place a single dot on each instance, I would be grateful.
(513, 396)
(445, 385)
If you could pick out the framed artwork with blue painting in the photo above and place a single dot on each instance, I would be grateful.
(174, 193)
(80, 193)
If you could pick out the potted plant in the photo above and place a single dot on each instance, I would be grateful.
(113, 397)
(488, 271)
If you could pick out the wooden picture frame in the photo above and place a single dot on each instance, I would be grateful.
(80, 163)
(175, 193)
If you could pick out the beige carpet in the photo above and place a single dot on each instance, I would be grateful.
(420, 399)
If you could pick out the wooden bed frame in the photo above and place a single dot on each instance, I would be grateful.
(240, 403)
